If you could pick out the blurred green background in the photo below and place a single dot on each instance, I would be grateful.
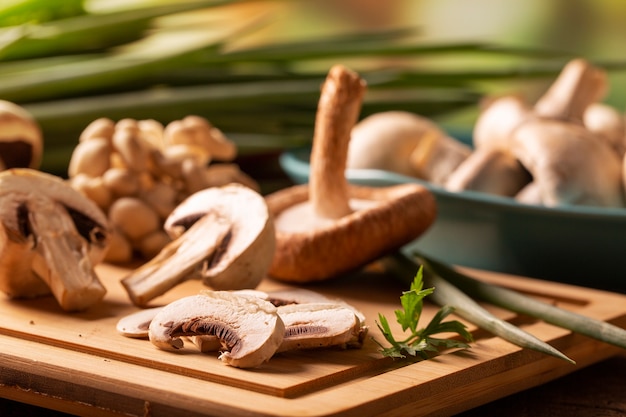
(254, 68)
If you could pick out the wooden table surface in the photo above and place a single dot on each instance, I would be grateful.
(598, 390)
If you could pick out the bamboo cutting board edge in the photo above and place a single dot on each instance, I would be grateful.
(492, 368)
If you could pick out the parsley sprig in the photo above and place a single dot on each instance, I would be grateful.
(420, 341)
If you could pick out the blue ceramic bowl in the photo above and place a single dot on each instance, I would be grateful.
(579, 245)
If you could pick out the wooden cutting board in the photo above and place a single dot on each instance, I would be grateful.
(77, 363)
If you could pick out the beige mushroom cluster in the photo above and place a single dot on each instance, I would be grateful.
(249, 327)
(138, 171)
(21, 139)
(568, 148)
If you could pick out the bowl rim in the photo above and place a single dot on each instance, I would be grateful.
(295, 163)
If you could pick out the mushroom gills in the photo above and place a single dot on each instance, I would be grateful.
(52, 237)
(61, 258)
(179, 260)
(318, 325)
(248, 327)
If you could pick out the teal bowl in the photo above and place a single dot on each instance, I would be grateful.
(579, 245)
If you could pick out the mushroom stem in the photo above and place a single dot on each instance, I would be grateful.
(178, 260)
(63, 261)
(579, 84)
(338, 110)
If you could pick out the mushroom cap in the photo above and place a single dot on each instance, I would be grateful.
(386, 140)
(21, 140)
(249, 327)
(569, 164)
(247, 253)
(399, 215)
(499, 116)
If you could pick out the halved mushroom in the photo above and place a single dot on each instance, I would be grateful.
(328, 226)
(51, 237)
(249, 328)
(223, 235)
(21, 140)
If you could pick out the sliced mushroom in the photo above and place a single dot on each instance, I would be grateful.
(328, 226)
(317, 325)
(249, 328)
(21, 140)
(51, 233)
(137, 325)
(223, 235)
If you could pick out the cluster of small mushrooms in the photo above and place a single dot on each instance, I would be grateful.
(568, 148)
(138, 171)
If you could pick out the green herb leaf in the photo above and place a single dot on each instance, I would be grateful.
(420, 341)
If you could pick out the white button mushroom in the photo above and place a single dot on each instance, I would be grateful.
(51, 232)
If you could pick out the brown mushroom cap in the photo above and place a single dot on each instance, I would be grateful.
(317, 252)
(328, 226)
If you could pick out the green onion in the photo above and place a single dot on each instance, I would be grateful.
(446, 294)
(519, 303)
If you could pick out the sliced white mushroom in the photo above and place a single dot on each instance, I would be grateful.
(136, 325)
(248, 327)
(305, 296)
(317, 325)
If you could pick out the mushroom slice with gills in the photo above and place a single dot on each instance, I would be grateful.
(51, 233)
(136, 325)
(248, 327)
(223, 235)
(329, 227)
(304, 296)
(317, 325)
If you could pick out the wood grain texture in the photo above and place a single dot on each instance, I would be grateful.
(77, 363)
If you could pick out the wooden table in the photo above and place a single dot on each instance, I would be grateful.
(78, 364)
(598, 390)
